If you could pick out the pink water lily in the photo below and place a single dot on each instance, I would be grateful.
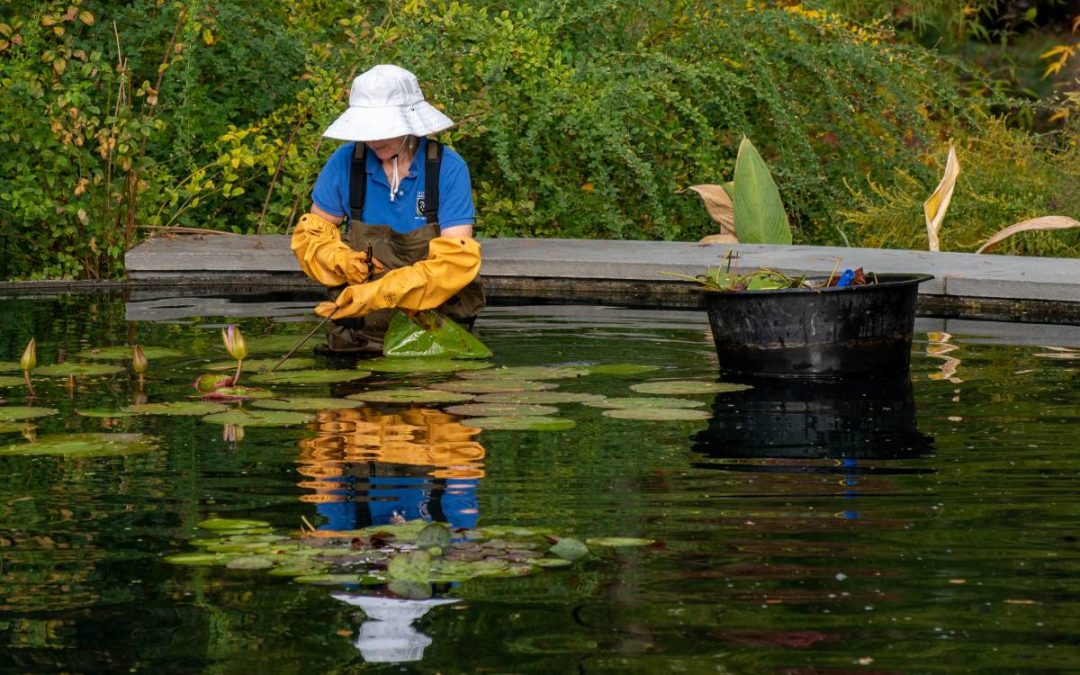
(234, 344)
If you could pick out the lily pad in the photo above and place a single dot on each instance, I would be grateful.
(238, 394)
(78, 369)
(11, 427)
(193, 408)
(621, 369)
(15, 413)
(414, 566)
(657, 414)
(197, 559)
(100, 412)
(433, 536)
(539, 397)
(646, 402)
(684, 387)
(251, 562)
(232, 524)
(297, 570)
(127, 352)
(443, 571)
(10, 367)
(492, 386)
(11, 381)
(300, 377)
(398, 364)
(528, 373)
(618, 542)
(263, 365)
(83, 445)
(569, 548)
(311, 403)
(431, 334)
(501, 409)
(526, 423)
(409, 395)
(260, 418)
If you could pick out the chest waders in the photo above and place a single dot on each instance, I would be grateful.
(363, 335)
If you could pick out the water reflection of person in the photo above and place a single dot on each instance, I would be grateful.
(369, 467)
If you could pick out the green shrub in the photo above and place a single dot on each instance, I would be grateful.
(584, 119)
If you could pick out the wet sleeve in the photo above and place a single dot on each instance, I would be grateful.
(331, 192)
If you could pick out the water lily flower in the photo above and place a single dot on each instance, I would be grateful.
(139, 363)
(28, 361)
(234, 342)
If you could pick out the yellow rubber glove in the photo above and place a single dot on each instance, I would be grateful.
(451, 264)
(322, 255)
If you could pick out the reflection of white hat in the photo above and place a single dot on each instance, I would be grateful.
(389, 637)
(386, 102)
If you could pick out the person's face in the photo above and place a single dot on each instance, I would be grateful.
(388, 147)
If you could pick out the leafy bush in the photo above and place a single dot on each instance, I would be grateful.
(584, 119)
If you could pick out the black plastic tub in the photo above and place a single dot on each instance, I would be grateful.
(823, 333)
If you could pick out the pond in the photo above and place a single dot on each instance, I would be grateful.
(907, 526)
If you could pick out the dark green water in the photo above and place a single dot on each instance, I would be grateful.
(927, 526)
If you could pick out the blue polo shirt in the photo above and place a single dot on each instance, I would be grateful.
(406, 212)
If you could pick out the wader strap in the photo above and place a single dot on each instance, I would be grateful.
(358, 182)
(431, 181)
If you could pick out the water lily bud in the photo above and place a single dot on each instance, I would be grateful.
(234, 342)
(138, 360)
(208, 382)
(29, 357)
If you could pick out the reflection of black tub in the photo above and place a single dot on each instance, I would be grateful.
(813, 419)
(827, 332)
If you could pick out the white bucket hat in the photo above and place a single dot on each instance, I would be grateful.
(386, 102)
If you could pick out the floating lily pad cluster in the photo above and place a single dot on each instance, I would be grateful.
(408, 558)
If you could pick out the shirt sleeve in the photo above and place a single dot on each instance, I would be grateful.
(331, 192)
(455, 192)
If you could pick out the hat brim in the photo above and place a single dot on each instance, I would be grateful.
(377, 124)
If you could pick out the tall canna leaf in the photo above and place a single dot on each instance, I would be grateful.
(759, 213)
(935, 207)
(1044, 223)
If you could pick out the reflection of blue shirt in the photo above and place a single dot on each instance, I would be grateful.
(406, 212)
(408, 496)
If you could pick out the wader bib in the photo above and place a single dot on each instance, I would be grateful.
(363, 335)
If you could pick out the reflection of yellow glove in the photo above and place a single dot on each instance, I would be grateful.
(451, 264)
(323, 256)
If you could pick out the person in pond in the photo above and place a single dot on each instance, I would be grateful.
(406, 204)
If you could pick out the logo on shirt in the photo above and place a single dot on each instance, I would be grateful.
(420, 204)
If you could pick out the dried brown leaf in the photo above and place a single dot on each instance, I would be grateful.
(1044, 223)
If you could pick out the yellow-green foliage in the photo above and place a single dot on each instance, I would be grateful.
(1006, 176)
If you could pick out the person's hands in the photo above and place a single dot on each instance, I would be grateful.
(323, 257)
(450, 266)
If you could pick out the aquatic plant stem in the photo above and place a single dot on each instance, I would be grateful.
(236, 375)
(26, 378)
(305, 339)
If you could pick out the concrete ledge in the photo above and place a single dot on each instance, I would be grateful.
(630, 273)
